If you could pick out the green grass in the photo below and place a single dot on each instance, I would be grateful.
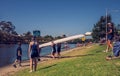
(81, 62)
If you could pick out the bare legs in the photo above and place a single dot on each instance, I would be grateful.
(109, 45)
(53, 55)
(17, 62)
(58, 55)
(33, 64)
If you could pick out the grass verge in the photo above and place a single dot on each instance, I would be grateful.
(85, 61)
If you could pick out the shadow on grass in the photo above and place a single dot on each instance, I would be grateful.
(46, 56)
(77, 56)
(99, 51)
(47, 67)
(69, 56)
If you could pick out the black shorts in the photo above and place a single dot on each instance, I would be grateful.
(19, 58)
(34, 54)
(53, 51)
(109, 37)
(58, 50)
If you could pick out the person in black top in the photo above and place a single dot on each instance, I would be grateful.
(33, 52)
(18, 55)
(110, 36)
(58, 49)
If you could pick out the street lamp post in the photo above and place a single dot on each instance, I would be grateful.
(106, 22)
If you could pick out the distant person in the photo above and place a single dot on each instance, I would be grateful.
(18, 55)
(66, 46)
(110, 35)
(33, 52)
(58, 49)
(102, 41)
(78, 44)
(53, 45)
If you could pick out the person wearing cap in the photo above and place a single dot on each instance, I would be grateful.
(110, 35)
(33, 52)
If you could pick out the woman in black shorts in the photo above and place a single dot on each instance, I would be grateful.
(110, 36)
(33, 54)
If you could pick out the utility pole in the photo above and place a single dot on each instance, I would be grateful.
(106, 22)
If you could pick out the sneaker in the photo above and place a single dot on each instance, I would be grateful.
(14, 66)
(105, 51)
(30, 71)
(34, 70)
(108, 58)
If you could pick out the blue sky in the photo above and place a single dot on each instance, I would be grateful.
(57, 17)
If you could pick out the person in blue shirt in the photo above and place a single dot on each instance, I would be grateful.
(33, 52)
(18, 55)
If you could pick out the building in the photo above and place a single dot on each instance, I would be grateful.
(36, 33)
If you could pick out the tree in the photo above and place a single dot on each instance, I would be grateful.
(14, 32)
(28, 33)
(27, 36)
(7, 32)
(7, 27)
(48, 38)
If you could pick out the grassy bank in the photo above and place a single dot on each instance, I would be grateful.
(85, 61)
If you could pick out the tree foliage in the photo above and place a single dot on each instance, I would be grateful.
(8, 27)
(7, 32)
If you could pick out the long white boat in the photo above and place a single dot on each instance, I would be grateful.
(65, 39)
